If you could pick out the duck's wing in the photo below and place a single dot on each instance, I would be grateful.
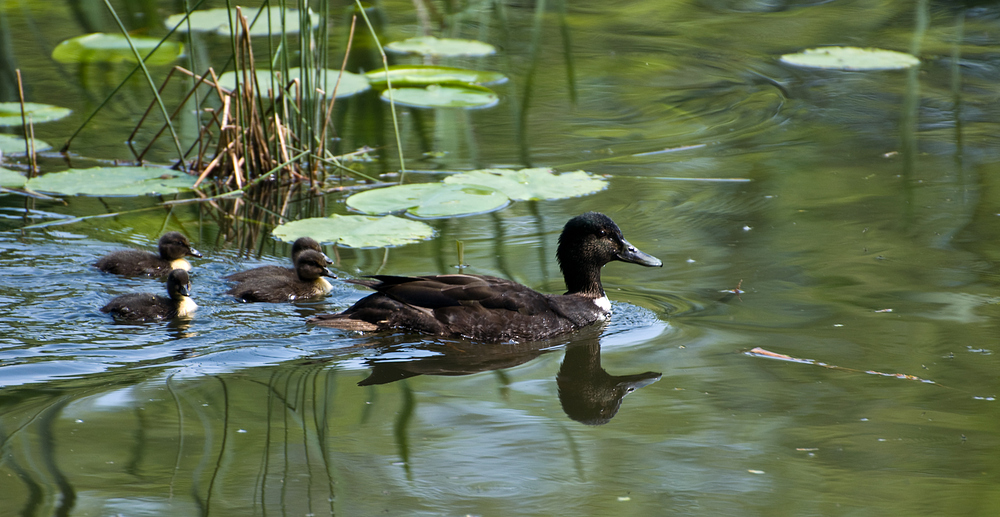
(477, 307)
(257, 272)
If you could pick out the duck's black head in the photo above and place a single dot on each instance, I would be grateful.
(307, 243)
(178, 284)
(174, 245)
(587, 243)
(311, 265)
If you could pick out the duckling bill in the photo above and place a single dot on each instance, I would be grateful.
(490, 309)
(310, 268)
(173, 247)
(301, 244)
(151, 307)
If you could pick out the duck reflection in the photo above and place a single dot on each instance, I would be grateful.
(587, 392)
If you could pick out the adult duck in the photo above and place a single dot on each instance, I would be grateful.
(301, 244)
(152, 307)
(310, 268)
(486, 308)
(173, 247)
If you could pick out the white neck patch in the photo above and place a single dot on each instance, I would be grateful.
(603, 303)
(186, 307)
(180, 264)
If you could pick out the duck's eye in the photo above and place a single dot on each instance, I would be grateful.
(603, 233)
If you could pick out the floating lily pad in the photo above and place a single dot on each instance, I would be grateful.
(537, 183)
(113, 181)
(10, 144)
(114, 48)
(356, 231)
(441, 47)
(851, 58)
(10, 113)
(429, 200)
(423, 75)
(350, 83)
(217, 21)
(446, 96)
(11, 179)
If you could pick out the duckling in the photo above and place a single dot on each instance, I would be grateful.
(310, 268)
(152, 307)
(173, 247)
(301, 244)
(490, 309)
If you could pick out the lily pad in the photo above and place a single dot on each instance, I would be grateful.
(356, 231)
(10, 144)
(441, 47)
(851, 58)
(113, 181)
(350, 83)
(429, 200)
(11, 179)
(444, 96)
(10, 113)
(423, 75)
(114, 48)
(217, 21)
(537, 183)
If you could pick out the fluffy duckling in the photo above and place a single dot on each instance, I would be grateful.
(486, 308)
(301, 244)
(152, 307)
(310, 268)
(173, 248)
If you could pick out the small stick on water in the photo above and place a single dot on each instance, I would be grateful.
(460, 246)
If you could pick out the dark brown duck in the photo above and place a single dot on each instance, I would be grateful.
(310, 268)
(173, 247)
(486, 308)
(152, 307)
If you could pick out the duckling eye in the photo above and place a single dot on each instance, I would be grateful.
(602, 233)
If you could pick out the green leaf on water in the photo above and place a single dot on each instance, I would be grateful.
(851, 58)
(441, 47)
(10, 113)
(429, 200)
(10, 144)
(217, 21)
(11, 179)
(113, 181)
(350, 83)
(423, 75)
(114, 48)
(446, 96)
(356, 231)
(537, 183)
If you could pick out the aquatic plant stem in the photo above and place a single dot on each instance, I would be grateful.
(388, 85)
(152, 85)
(29, 130)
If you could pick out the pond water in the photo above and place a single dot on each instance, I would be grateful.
(848, 220)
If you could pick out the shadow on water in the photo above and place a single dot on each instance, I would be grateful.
(285, 438)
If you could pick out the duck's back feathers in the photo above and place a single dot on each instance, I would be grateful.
(141, 307)
(262, 271)
(483, 308)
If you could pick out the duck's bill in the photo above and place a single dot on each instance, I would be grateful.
(194, 253)
(632, 254)
(328, 273)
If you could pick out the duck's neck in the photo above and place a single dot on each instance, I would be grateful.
(585, 281)
(185, 306)
(180, 264)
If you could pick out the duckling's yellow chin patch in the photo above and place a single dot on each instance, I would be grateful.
(322, 286)
(180, 264)
(186, 307)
